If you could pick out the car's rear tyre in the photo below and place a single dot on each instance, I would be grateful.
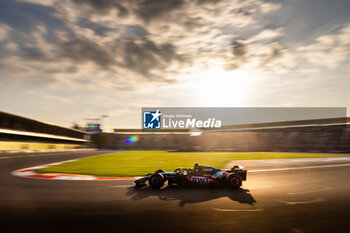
(156, 181)
(233, 181)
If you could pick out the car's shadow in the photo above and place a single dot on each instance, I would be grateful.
(192, 195)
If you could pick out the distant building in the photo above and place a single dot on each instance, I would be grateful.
(21, 133)
(93, 128)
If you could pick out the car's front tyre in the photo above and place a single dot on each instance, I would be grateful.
(156, 181)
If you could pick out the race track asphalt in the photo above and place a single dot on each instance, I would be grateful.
(296, 201)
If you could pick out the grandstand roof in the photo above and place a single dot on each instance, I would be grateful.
(30, 119)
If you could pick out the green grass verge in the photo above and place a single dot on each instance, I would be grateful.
(137, 163)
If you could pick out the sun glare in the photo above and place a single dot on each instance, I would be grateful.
(217, 87)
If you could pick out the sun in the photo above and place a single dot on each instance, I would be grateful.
(217, 87)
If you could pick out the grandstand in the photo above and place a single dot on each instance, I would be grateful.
(18, 133)
(317, 135)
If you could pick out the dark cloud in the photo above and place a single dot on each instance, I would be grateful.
(193, 22)
(145, 56)
(144, 9)
(151, 61)
(34, 53)
(240, 55)
(135, 31)
(151, 9)
(199, 2)
(99, 29)
(103, 6)
(82, 50)
(142, 56)
(238, 49)
(245, 11)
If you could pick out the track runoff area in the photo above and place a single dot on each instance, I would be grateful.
(280, 195)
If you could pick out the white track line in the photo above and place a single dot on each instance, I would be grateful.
(319, 199)
(238, 210)
(312, 191)
(297, 168)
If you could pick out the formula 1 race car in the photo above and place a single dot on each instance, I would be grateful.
(199, 175)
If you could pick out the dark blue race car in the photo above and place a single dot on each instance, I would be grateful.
(199, 175)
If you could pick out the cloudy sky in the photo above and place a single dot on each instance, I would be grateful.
(66, 60)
